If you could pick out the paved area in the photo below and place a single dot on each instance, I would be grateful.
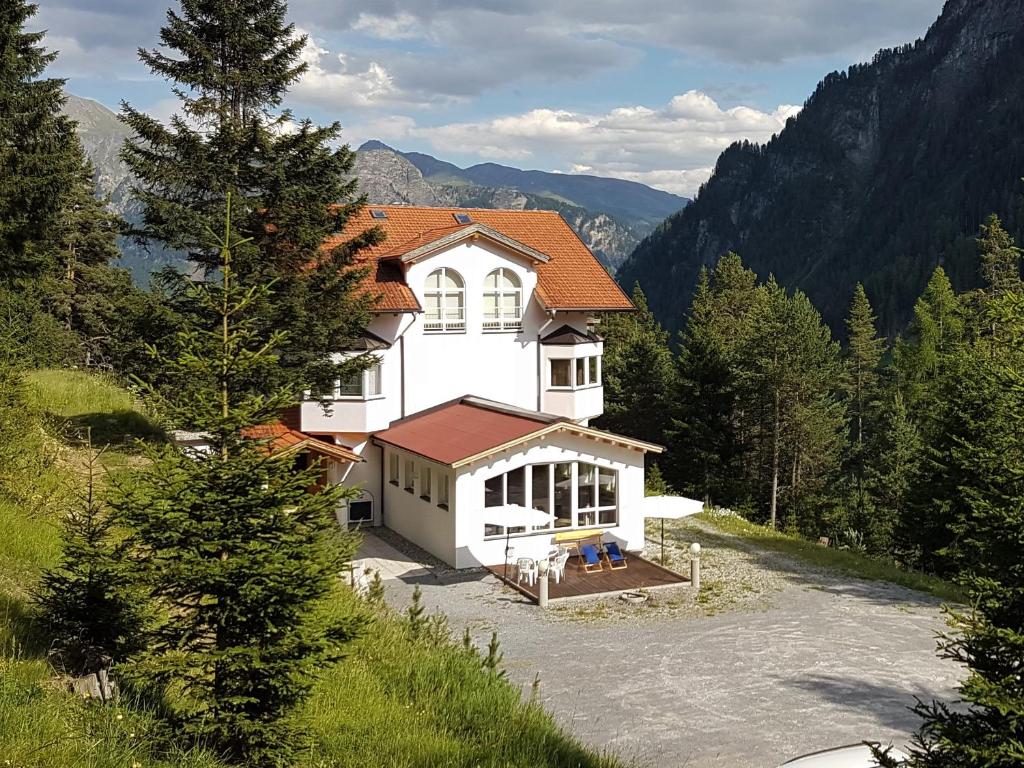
(819, 662)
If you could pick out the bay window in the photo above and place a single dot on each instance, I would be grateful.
(360, 385)
(576, 373)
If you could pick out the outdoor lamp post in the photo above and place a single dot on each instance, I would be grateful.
(542, 587)
(695, 567)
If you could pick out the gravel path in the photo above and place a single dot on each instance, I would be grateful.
(773, 660)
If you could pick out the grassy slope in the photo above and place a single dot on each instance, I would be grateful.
(393, 702)
(843, 561)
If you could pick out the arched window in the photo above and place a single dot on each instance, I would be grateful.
(445, 301)
(503, 301)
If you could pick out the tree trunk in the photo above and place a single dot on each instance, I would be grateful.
(776, 438)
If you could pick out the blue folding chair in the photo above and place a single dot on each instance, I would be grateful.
(616, 560)
(591, 558)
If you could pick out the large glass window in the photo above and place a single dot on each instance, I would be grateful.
(494, 491)
(563, 495)
(515, 487)
(444, 300)
(578, 494)
(503, 301)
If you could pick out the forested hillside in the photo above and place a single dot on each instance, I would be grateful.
(885, 174)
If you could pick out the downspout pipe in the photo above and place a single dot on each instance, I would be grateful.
(540, 360)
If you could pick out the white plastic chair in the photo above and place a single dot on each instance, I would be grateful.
(526, 568)
(558, 565)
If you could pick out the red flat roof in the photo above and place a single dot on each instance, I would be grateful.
(458, 430)
(469, 428)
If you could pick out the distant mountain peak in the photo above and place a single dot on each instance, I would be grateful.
(372, 144)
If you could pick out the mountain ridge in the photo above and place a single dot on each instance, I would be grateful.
(884, 174)
(390, 176)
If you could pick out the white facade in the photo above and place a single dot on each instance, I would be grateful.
(431, 360)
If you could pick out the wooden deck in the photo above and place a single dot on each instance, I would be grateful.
(640, 574)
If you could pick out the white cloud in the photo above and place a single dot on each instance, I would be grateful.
(333, 82)
(673, 147)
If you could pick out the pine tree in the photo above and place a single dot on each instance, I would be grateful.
(236, 550)
(90, 603)
(638, 373)
(231, 65)
(860, 383)
(36, 162)
(1000, 259)
(988, 526)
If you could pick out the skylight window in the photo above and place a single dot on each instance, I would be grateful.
(463, 218)
(377, 213)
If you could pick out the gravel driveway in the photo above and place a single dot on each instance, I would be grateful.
(774, 661)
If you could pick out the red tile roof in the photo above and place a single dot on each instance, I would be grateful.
(283, 439)
(470, 428)
(572, 279)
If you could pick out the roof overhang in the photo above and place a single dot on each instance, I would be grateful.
(471, 232)
(569, 427)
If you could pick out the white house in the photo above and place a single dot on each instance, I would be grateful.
(488, 373)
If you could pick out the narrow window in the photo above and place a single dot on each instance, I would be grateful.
(503, 301)
(410, 476)
(393, 469)
(516, 487)
(595, 370)
(425, 483)
(581, 373)
(442, 491)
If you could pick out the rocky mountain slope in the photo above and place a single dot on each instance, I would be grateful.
(102, 135)
(610, 215)
(886, 172)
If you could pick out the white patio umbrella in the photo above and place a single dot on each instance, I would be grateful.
(515, 516)
(669, 508)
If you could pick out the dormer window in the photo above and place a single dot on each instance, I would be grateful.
(444, 302)
(503, 301)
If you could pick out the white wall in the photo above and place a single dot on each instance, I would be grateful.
(471, 547)
(364, 476)
(439, 367)
(421, 522)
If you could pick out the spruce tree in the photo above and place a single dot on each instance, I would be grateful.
(893, 466)
(236, 550)
(37, 162)
(91, 604)
(987, 729)
(638, 373)
(707, 442)
(789, 366)
(932, 340)
(231, 65)
(860, 384)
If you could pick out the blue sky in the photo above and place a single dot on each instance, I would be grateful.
(650, 90)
